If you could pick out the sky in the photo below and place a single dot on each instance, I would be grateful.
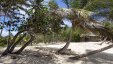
(59, 2)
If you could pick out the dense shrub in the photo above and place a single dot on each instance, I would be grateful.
(75, 38)
(3, 41)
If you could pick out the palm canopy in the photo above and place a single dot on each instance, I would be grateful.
(103, 7)
(82, 18)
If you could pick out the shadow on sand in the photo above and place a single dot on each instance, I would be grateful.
(99, 58)
(28, 57)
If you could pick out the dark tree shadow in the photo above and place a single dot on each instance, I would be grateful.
(99, 58)
(29, 57)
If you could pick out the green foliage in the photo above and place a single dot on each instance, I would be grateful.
(2, 44)
(53, 5)
(89, 4)
(108, 25)
(99, 4)
(3, 41)
(39, 38)
(83, 3)
(65, 33)
(93, 5)
(62, 36)
(76, 35)
(39, 1)
(76, 3)
(75, 38)
(44, 20)
(111, 14)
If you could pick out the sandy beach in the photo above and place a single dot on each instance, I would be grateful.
(45, 54)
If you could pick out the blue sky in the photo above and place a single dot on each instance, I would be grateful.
(59, 2)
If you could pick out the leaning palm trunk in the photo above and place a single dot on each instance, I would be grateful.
(17, 42)
(11, 46)
(65, 48)
(8, 49)
(8, 43)
(25, 45)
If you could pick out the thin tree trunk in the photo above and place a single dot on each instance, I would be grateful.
(15, 37)
(64, 49)
(6, 51)
(44, 38)
(14, 45)
(8, 44)
(25, 45)
(92, 52)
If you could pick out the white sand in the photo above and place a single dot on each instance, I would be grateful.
(105, 57)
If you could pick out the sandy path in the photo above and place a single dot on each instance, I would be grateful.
(43, 54)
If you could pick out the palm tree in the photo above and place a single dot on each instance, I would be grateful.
(81, 18)
(72, 4)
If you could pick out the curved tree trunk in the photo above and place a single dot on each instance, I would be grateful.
(64, 49)
(25, 45)
(6, 51)
(10, 44)
(92, 52)
(15, 37)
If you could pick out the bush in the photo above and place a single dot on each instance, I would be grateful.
(76, 35)
(3, 41)
(75, 38)
(2, 44)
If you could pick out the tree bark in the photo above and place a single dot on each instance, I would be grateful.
(11, 42)
(44, 38)
(25, 45)
(14, 38)
(17, 42)
(92, 52)
(64, 49)
(6, 51)
(8, 43)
